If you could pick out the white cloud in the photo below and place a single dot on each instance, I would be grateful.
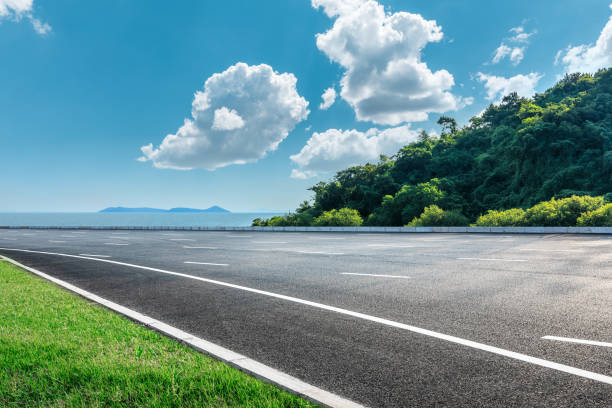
(498, 87)
(589, 58)
(329, 97)
(226, 119)
(242, 113)
(514, 52)
(336, 149)
(385, 80)
(17, 9)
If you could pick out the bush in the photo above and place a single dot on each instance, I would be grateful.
(288, 220)
(562, 213)
(344, 217)
(434, 216)
(514, 217)
(602, 217)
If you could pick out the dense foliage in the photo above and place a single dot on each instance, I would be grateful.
(518, 153)
(566, 212)
(434, 216)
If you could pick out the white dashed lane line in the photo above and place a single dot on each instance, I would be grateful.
(96, 256)
(56, 242)
(115, 243)
(205, 263)
(199, 247)
(492, 259)
(320, 253)
(374, 275)
(181, 239)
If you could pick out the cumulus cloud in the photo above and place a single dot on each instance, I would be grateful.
(385, 80)
(498, 87)
(335, 149)
(589, 58)
(516, 50)
(329, 97)
(241, 114)
(18, 9)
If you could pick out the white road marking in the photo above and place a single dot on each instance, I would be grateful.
(550, 250)
(119, 233)
(181, 239)
(320, 253)
(56, 242)
(391, 245)
(114, 243)
(269, 242)
(199, 247)
(28, 235)
(579, 341)
(10, 239)
(249, 366)
(205, 263)
(370, 274)
(97, 256)
(239, 236)
(68, 236)
(493, 259)
(440, 336)
(326, 239)
(172, 234)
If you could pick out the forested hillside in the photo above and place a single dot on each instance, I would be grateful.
(516, 154)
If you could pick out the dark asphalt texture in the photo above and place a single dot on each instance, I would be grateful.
(517, 289)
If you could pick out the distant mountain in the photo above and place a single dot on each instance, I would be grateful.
(213, 209)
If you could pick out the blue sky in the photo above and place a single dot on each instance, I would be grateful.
(85, 85)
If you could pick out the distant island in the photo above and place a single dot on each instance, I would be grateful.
(213, 209)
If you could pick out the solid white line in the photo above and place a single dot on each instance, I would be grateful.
(493, 259)
(205, 263)
(580, 341)
(199, 247)
(252, 367)
(114, 243)
(97, 256)
(370, 274)
(452, 339)
(320, 253)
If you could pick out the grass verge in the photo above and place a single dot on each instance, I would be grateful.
(59, 350)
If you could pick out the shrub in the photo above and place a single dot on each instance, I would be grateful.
(434, 216)
(287, 220)
(601, 217)
(514, 217)
(344, 217)
(564, 212)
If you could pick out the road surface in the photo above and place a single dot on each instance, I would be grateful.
(386, 320)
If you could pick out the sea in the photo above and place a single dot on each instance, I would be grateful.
(237, 219)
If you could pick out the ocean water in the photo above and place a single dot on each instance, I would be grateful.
(131, 219)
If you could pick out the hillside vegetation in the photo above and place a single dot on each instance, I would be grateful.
(518, 153)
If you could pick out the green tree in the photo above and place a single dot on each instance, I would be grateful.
(344, 217)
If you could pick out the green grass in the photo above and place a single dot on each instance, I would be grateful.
(59, 350)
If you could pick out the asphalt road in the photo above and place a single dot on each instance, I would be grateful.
(503, 291)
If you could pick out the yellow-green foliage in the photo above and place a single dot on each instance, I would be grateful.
(571, 211)
(510, 218)
(434, 216)
(563, 212)
(602, 217)
(344, 217)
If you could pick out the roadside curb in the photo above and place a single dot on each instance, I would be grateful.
(477, 230)
(241, 362)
